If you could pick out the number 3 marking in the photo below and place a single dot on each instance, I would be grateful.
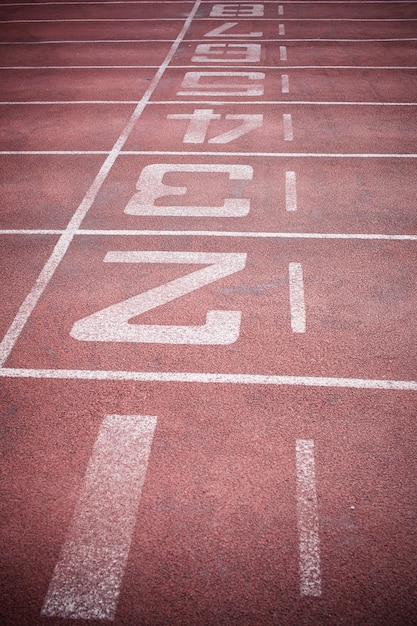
(150, 188)
(112, 323)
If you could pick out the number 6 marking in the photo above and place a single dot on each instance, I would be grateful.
(150, 188)
(112, 323)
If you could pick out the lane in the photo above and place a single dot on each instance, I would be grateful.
(359, 299)
(333, 196)
(79, 127)
(276, 128)
(366, 84)
(69, 85)
(41, 192)
(106, 54)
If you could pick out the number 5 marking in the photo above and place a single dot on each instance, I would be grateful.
(150, 188)
(112, 323)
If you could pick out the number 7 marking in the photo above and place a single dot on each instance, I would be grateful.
(112, 323)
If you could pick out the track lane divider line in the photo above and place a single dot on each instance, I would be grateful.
(212, 378)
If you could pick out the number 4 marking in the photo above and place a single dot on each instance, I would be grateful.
(200, 121)
(112, 323)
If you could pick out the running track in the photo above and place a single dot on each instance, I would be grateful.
(208, 252)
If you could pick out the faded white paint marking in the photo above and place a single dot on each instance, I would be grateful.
(87, 578)
(290, 191)
(297, 304)
(112, 323)
(192, 85)
(283, 53)
(150, 188)
(234, 233)
(200, 121)
(211, 378)
(280, 9)
(281, 30)
(285, 83)
(237, 10)
(227, 53)
(307, 518)
(288, 132)
(224, 28)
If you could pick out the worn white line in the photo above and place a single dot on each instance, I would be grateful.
(271, 154)
(214, 233)
(274, 102)
(182, 67)
(87, 578)
(288, 131)
(307, 520)
(214, 378)
(37, 231)
(297, 305)
(314, 155)
(261, 235)
(283, 53)
(284, 87)
(78, 41)
(105, 2)
(281, 30)
(78, 67)
(309, 67)
(285, 83)
(54, 152)
(290, 191)
(280, 9)
(29, 303)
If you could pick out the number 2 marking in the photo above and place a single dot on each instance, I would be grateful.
(112, 322)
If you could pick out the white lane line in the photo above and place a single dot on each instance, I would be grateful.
(283, 53)
(29, 303)
(211, 378)
(281, 30)
(280, 9)
(288, 131)
(313, 155)
(87, 578)
(284, 87)
(307, 520)
(37, 231)
(182, 67)
(290, 191)
(260, 234)
(214, 233)
(285, 83)
(297, 304)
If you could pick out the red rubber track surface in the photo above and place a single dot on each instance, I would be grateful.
(207, 352)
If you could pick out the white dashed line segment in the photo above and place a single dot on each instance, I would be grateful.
(87, 578)
(307, 519)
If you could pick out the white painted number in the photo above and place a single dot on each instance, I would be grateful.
(227, 52)
(237, 10)
(192, 85)
(200, 120)
(220, 30)
(112, 323)
(151, 188)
